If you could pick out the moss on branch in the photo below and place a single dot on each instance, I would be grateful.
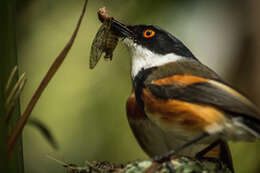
(181, 165)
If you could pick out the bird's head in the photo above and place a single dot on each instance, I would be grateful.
(151, 46)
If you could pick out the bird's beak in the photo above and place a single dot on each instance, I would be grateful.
(121, 30)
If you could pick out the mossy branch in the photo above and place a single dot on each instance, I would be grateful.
(180, 165)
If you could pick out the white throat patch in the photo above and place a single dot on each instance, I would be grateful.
(142, 58)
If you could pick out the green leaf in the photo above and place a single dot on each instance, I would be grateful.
(44, 130)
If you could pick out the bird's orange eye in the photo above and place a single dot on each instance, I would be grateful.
(149, 33)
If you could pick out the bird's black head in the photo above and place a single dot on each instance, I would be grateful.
(153, 38)
(158, 40)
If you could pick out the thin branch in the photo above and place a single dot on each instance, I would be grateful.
(52, 70)
(60, 162)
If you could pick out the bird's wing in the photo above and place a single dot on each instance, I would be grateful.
(200, 90)
(203, 91)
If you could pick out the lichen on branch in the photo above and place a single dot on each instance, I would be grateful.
(181, 165)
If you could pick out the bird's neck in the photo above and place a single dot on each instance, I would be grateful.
(144, 59)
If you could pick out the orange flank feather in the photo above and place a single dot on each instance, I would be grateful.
(182, 80)
(133, 110)
(170, 113)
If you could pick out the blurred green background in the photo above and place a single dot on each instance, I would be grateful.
(85, 109)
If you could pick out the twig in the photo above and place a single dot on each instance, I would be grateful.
(60, 162)
(52, 70)
(76, 168)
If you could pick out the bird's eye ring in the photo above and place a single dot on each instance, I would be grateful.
(149, 33)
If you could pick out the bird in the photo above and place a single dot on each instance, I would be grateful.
(178, 105)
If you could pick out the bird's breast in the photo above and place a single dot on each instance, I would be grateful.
(156, 140)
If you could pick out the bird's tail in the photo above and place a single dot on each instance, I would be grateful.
(253, 126)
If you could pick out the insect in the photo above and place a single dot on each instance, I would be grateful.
(104, 42)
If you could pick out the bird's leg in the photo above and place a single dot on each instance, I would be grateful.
(170, 166)
(167, 156)
(202, 153)
(222, 159)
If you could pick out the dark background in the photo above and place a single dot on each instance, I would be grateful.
(85, 109)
